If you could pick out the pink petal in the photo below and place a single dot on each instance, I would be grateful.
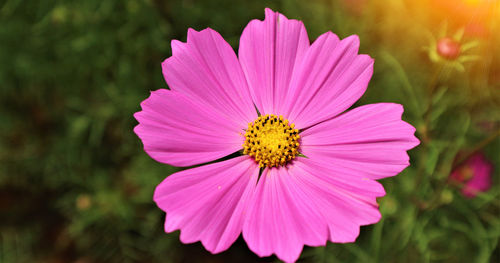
(269, 52)
(208, 203)
(282, 217)
(207, 69)
(181, 131)
(346, 201)
(330, 79)
(372, 140)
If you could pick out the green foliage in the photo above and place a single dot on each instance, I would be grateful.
(75, 183)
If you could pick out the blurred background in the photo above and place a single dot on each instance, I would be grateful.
(76, 186)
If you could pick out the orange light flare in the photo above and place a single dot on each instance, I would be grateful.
(477, 17)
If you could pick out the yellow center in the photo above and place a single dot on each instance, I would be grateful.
(271, 140)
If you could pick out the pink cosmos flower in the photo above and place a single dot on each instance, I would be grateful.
(474, 175)
(306, 171)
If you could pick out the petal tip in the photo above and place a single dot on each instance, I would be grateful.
(269, 12)
(352, 40)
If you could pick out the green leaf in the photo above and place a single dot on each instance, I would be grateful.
(432, 159)
(411, 95)
(438, 95)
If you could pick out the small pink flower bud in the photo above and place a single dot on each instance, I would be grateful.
(448, 48)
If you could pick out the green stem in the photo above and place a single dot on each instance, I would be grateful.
(425, 131)
(431, 89)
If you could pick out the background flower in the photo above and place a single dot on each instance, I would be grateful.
(473, 176)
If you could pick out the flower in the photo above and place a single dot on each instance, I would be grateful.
(306, 171)
(474, 175)
(450, 52)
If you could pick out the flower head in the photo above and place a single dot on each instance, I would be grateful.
(450, 52)
(474, 176)
(306, 171)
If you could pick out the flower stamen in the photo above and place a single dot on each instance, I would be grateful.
(271, 140)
